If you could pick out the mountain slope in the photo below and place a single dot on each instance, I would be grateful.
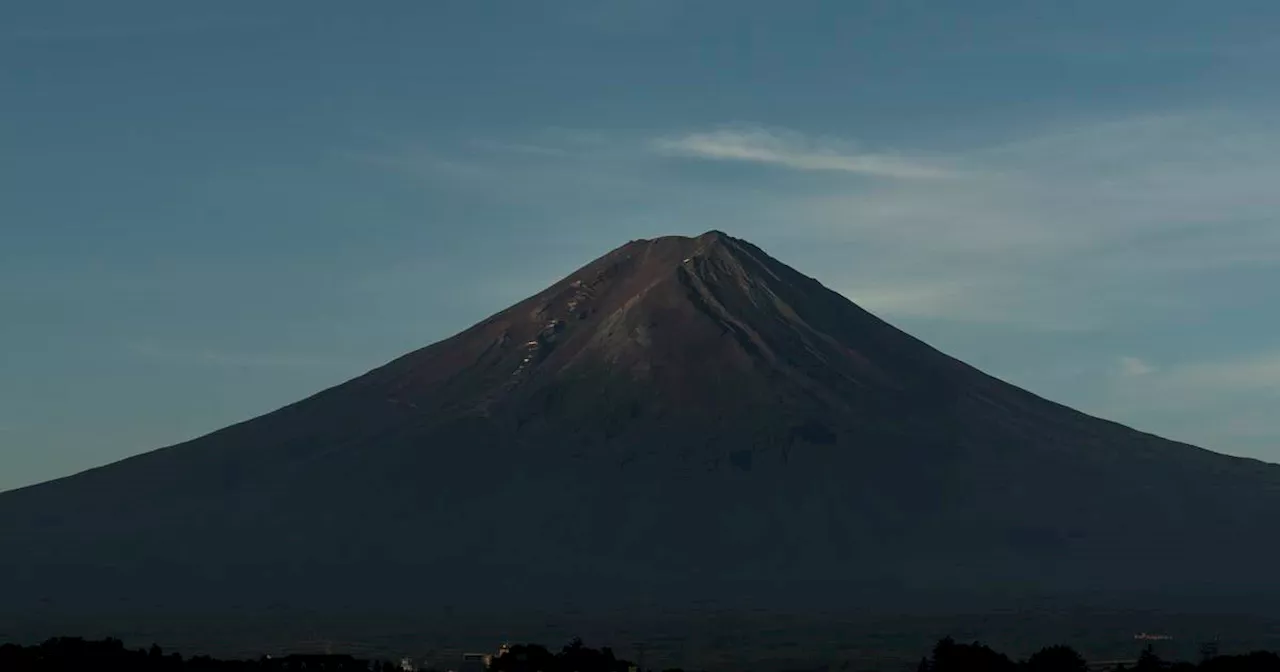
(681, 419)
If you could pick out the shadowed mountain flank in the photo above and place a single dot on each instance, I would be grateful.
(680, 420)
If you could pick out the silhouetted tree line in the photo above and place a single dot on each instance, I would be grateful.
(949, 656)
(69, 654)
(74, 654)
(574, 657)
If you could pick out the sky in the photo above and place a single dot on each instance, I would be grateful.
(210, 210)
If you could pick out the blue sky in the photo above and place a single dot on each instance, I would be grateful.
(208, 210)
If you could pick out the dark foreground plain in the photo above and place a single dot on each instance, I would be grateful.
(681, 433)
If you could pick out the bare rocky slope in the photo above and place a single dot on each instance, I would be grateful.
(682, 420)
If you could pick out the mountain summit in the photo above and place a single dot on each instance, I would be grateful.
(681, 419)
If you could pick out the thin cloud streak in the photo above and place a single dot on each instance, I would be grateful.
(1230, 383)
(911, 300)
(1259, 372)
(976, 302)
(789, 149)
(1131, 367)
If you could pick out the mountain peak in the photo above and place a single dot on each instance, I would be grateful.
(689, 244)
(709, 236)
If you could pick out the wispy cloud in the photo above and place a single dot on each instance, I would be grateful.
(1131, 367)
(1259, 372)
(1224, 402)
(973, 302)
(789, 149)
(1227, 383)
(492, 162)
(221, 358)
(905, 299)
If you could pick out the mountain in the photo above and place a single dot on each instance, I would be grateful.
(681, 421)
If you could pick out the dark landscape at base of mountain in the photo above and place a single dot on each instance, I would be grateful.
(684, 425)
(76, 654)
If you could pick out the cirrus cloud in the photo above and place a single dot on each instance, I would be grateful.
(790, 149)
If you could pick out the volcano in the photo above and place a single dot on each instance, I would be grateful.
(683, 420)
